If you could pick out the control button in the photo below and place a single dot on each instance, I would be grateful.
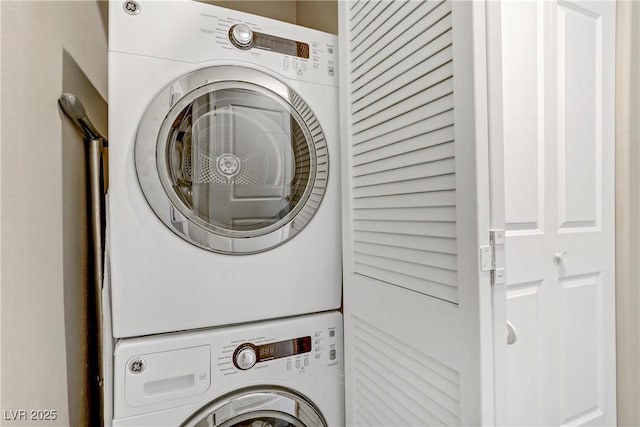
(303, 66)
(332, 332)
(318, 355)
(332, 355)
(241, 36)
(285, 63)
(245, 357)
(306, 361)
(298, 363)
(317, 342)
(295, 65)
(288, 365)
(317, 334)
(331, 71)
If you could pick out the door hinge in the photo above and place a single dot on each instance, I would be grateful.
(492, 257)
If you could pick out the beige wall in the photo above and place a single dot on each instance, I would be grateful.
(628, 212)
(317, 14)
(321, 15)
(282, 10)
(47, 48)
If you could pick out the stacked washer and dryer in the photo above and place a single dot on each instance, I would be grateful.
(223, 220)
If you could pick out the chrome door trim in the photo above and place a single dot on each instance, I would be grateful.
(150, 158)
(259, 402)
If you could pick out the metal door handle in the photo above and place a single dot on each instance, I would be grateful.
(512, 335)
(562, 257)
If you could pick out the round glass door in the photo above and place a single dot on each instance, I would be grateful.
(262, 419)
(240, 160)
(257, 407)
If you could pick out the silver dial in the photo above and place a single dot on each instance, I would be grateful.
(241, 36)
(245, 358)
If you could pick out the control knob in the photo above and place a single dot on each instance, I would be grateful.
(241, 36)
(245, 357)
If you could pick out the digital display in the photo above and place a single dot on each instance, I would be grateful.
(286, 348)
(280, 45)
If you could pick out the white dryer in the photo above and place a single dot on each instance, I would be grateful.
(283, 373)
(224, 202)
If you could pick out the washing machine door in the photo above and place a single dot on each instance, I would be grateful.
(231, 159)
(261, 407)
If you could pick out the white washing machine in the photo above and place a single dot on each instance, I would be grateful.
(224, 202)
(282, 373)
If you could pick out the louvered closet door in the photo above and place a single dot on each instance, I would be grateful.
(416, 210)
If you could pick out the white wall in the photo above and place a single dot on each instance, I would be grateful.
(47, 48)
(628, 212)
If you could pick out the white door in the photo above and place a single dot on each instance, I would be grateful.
(558, 103)
(418, 320)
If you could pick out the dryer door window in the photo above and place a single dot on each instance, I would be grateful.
(265, 419)
(257, 407)
(241, 164)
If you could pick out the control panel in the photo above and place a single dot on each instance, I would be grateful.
(298, 56)
(158, 372)
(212, 33)
(294, 355)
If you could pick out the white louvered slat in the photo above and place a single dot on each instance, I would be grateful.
(398, 37)
(390, 63)
(414, 207)
(412, 186)
(388, 15)
(429, 108)
(428, 139)
(425, 155)
(359, 18)
(433, 229)
(440, 276)
(433, 259)
(445, 213)
(436, 85)
(383, 81)
(374, 18)
(415, 130)
(404, 81)
(403, 143)
(396, 276)
(440, 167)
(408, 275)
(437, 198)
(411, 411)
(424, 243)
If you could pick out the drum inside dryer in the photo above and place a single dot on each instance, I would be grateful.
(239, 160)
